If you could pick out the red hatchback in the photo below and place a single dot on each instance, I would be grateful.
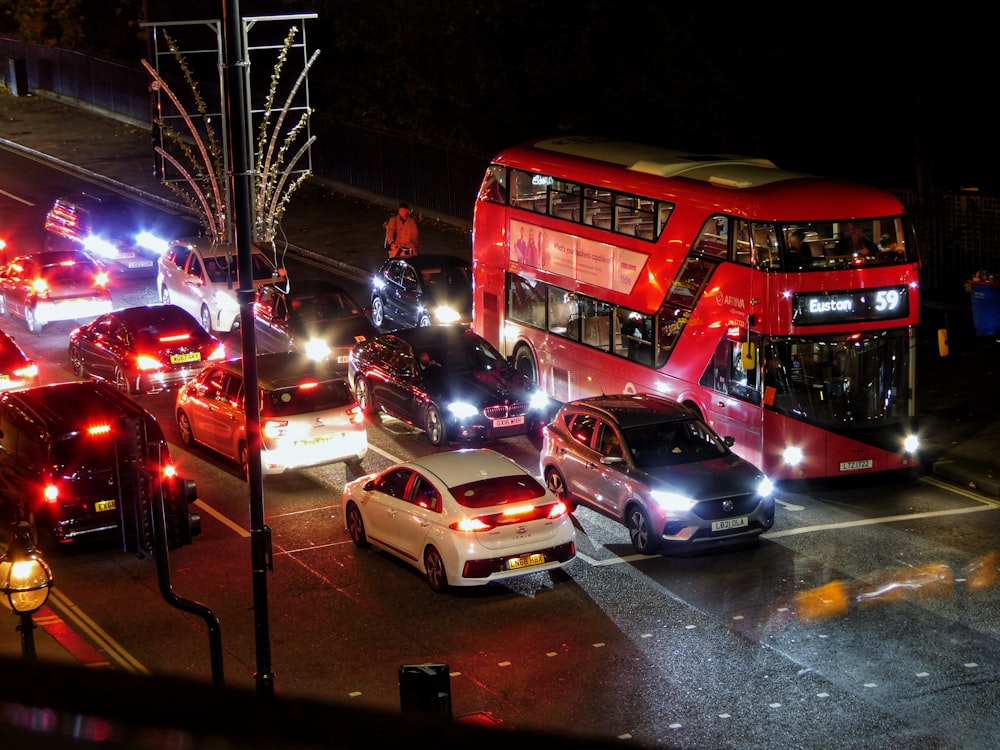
(143, 349)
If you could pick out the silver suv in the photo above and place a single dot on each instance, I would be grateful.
(656, 467)
(201, 277)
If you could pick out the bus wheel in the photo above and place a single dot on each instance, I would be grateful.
(524, 362)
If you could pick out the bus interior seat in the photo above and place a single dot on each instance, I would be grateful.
(596, 330)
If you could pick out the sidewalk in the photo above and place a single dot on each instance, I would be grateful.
(959, 410)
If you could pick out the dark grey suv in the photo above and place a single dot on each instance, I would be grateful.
(655, 466)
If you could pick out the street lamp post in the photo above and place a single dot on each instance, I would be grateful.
(25, 581)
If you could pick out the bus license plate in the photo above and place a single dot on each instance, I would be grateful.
(102, 505)
(729, 523)
(866, 463)
(508, 422)
(525, 561)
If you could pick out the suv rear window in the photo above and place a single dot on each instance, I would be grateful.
(83, 454)
(306, 398)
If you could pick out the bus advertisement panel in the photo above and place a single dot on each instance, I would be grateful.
(781, 306)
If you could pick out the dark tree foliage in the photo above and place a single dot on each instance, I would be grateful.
(872, 93)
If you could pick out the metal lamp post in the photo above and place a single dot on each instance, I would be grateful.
(25, 581)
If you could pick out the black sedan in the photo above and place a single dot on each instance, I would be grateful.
(422, 290)
(143, 349)
(315, 318)
(450, 382)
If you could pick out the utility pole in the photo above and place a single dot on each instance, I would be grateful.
(260, 534)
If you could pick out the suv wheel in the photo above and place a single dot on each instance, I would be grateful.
(121, 381)
(643, 538)
(29, 317)
(378, 312)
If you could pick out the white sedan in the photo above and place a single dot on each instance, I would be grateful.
(462, 518)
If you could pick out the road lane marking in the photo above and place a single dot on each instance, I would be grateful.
(66, 609)
(875, 521)
(221, 518)
(17, 198)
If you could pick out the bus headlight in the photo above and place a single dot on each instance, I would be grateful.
(793, 455)
(462, 409)
(911, 444)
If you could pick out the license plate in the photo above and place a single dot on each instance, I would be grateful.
(139, 263)
(343, 359)
(103, 505)
(729, 523)
(508, 422)
(866, 463)
(176, 359)
(525, 561)
(315, 440)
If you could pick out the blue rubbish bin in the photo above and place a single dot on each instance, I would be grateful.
(985, 307)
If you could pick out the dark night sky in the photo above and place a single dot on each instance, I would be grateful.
(865, 91)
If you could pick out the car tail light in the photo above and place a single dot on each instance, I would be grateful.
(27, 372)
(218, 354)
(470, 525)
(518, 510)
(557, 510)
(146, 363)
(50, 493)
(40, 286)
(308, 385)
(355, 415)
(169, 471)
(274, 428)
(101, 279)
(174, 338)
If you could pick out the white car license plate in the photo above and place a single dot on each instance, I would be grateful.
(865, 463)
(730, 523)
(508, 422)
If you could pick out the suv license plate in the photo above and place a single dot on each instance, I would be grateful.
(103, 505)
(729, 523)
(866, 463)
(525, 561)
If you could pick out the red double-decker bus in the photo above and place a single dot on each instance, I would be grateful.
(781, 306)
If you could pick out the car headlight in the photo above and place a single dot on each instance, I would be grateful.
(151, 242)
(539, 400)
(672, 500)
(765, 487)
(462, 409)
(317, 349)
(445, 314)
(100, 246)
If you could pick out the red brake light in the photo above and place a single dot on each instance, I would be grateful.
(274, 428)
(308, 385)
(175, 337)
(101, 278)
(470, 524)
(169, 471)
(99, 429)
(50, 493)
(558, 510)
(40, 286)
(518, 510)
(28, 371)
(146, 363)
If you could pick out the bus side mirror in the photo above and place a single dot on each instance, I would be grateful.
(749, 355)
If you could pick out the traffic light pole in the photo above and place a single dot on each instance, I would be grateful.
(260, 534)
(166, 587)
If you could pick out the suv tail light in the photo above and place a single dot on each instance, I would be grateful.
(101, 279)
(219, 353)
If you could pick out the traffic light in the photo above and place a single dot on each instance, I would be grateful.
(135, 508)
(181, 524)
